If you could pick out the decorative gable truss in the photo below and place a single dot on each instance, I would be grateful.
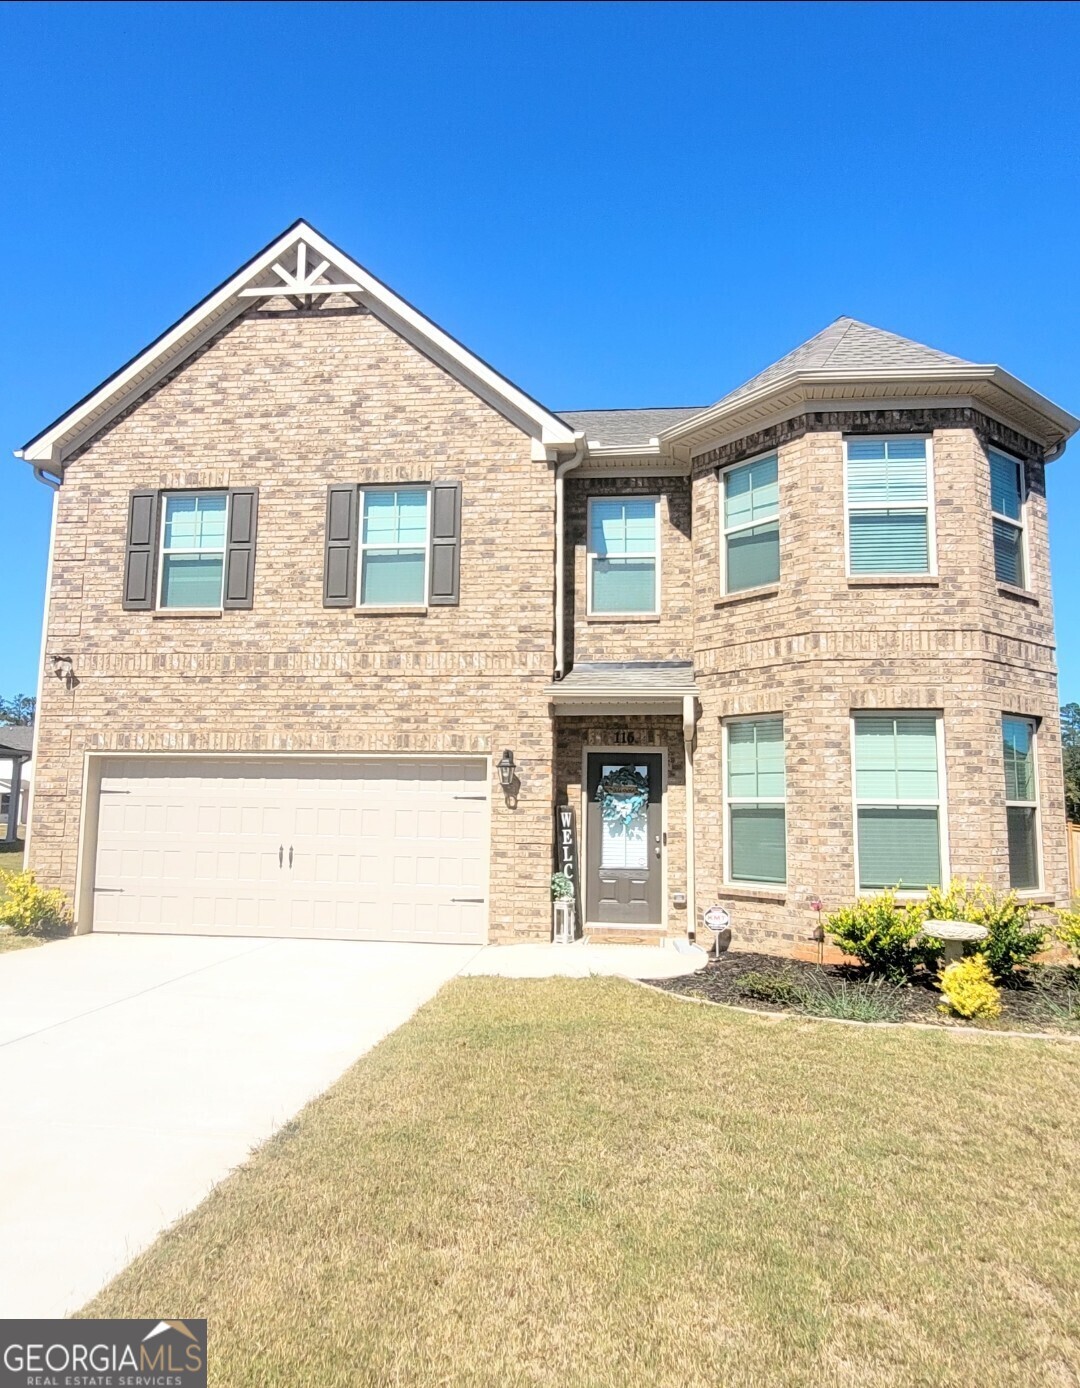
(303, 286)
(305, 268)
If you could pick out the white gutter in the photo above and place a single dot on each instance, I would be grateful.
(689, 730)
(580, 449)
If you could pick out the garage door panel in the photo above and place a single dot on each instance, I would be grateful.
(379, 848)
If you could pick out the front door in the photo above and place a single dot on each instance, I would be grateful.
(624, 838)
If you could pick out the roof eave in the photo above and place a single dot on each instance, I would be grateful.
(801, 387)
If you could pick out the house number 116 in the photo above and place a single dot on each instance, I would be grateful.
(625, 736)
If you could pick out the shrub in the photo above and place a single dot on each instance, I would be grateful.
(768, 987)
(26, 908)
(562, 889)
(875, 1001)
(1064, 1007)
(968, 988)
(1012, 940)
(881, 932)
(1068, 930)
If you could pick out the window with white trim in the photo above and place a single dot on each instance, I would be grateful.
(623, 555)
(750, 507)
(755, 796)
(1021, 802)
(1007, 497)
(193, 549)
(393, 547)
(898, 800)
(889, 512)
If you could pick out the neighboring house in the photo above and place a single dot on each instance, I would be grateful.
(316, 568)
(16, 749)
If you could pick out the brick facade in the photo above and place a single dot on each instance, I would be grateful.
(293, 400)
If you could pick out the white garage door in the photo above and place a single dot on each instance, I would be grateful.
(370, 850)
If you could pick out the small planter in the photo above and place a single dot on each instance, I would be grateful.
(564, 927)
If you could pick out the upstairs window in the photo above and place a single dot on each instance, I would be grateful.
(394, 547)
(1021, 802)
(193, 535)
(623, 556)
(755, 793)
(751, 525)
(898, 798)
(890, 519)
(1007, 510)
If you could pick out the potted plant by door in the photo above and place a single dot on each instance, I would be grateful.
(565, 913)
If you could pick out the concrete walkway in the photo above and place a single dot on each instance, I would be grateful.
(581, 960)
(136, 1071)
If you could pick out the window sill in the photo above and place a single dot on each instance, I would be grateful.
(390, 611)
(741, 893)
(1039, 898)
(187, 614)
(767, 590)
(599, 618)
(1009, 590)
(894, 581)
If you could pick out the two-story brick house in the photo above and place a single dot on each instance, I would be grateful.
(316, 569)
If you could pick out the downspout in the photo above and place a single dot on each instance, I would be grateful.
(689, 730)
(560, 552)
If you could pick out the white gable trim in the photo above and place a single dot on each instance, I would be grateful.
(259, 278)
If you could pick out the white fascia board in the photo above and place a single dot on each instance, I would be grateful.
(226, 303)
(804, 390)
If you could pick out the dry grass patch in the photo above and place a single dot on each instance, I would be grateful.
(9, 942)
(584, 1183)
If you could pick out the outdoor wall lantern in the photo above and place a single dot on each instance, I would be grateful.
(506, 769)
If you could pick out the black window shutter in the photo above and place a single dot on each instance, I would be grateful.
(339, 568)
(140, 561)
(240, 547)
(445, 586)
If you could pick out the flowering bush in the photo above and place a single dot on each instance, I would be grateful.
(29, 909)
(968, 989)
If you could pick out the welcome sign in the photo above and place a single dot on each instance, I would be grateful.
(566, 846)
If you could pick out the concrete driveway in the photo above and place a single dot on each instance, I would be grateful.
(136, 1071)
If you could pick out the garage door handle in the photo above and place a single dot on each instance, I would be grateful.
(472, 900)
(280, 854)
(290, 855)
(470, 797)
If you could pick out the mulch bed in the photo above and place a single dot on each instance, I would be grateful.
(1036, 1004)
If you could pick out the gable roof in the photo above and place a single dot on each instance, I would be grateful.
(850, 363)
(629, 428)
(281, 269)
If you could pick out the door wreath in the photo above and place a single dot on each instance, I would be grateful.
(623, 794)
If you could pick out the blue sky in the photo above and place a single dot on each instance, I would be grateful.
(614, 204)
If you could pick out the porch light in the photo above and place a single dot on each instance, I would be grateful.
(506, 769)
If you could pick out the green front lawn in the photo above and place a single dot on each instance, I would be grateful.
(574, 1183)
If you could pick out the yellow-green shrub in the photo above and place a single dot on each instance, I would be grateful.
(1068, 930)
(968, 988)
(1013, 937)
(27, 908)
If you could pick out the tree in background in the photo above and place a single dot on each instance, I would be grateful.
(1070, 752)
(19, 711)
